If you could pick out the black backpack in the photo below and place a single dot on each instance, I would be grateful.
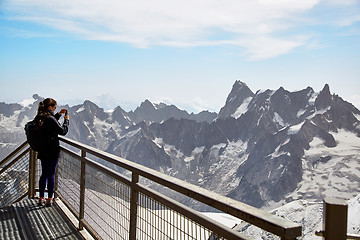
(34, 134)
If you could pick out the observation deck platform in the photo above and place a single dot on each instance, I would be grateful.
(102, 196)
(26, 220)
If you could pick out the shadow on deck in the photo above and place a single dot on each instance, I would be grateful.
(27, 220)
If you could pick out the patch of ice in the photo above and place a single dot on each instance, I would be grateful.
(277, 118)
(159, 142)
(158, 106)
(195, 152)
(109, 111)
(295, 129)
(277, 152)
(131, 133)
(320, 111)
(300, 113)
(242, 108)
(189, 159)
(357, 116)
(88, 127)
(80, 109)
(313, 98)
(27, 102)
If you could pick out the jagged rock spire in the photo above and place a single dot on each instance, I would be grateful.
(240, 91)
(324, 98)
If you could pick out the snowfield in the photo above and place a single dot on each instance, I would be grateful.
(308, 214)
(324, 176)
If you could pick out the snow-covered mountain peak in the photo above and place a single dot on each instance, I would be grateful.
(257, 150)
(239, 93)
(147, 105)
(27, 102)
(324, 98)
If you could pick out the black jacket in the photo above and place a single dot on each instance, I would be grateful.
(51, 130)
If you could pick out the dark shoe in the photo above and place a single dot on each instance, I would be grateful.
(41, 202)
(49, 202)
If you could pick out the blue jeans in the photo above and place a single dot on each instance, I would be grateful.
(48, 176)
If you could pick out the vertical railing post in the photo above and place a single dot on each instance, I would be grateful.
(32, 173)
(82, 190)
(134, 201)
(56, 181)
(335, 219)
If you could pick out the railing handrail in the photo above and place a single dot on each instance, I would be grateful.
(14, 153)
(279, 226)
(6, 165)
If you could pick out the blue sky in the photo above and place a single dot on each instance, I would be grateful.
(187, 53)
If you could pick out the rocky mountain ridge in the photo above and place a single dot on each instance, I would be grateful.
(254, 150)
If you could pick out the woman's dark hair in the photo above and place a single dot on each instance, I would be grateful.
(44, 105)
(43, 112)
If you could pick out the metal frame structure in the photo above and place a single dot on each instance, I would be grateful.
(113, 205)
(335, 218)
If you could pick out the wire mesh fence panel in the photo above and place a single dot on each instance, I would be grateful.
(115, 198)
(157, 221)
(107, 205)
(69, 169)
(14, 181)
(124, 172)
(119, 199)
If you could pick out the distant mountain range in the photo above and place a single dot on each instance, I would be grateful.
(262, 148)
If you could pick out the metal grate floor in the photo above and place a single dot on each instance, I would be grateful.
(27, 220)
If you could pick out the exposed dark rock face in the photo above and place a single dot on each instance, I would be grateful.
(239, 93)
(252, 150)
(150, 113)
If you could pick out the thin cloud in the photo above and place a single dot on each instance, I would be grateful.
(15, 32)
(264, 47)
(251, 25)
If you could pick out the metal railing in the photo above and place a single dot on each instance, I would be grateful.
(15, 175)
(335, 218)
(114, 205)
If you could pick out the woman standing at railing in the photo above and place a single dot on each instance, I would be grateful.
(50, 151)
